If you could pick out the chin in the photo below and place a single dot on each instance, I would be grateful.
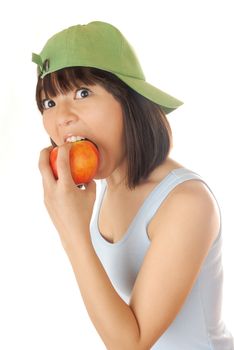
(103, 172)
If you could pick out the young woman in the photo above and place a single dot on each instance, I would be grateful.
(148, 264)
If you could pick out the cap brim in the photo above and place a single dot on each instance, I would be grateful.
(167, 102)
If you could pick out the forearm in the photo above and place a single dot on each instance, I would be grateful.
(111, 316)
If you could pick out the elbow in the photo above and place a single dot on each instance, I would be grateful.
(127, 345)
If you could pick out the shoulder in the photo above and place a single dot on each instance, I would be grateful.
(196, 193)
(193, 190)
(191, 199)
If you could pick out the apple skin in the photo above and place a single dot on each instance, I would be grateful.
(84, 161)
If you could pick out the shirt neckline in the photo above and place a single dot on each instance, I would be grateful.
(128, 231)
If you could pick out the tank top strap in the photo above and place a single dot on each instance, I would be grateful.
(100, 189)
(159, 194)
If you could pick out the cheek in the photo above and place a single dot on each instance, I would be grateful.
(48, 126)
(114, 120)
(45, 122)
(50, 130)
(113, 135)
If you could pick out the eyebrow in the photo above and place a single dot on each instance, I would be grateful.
(79, 84)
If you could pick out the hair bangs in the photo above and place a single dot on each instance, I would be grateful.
(63, 81)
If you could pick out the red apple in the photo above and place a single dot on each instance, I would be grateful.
(84, 160)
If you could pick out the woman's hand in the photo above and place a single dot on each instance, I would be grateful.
(69, 207)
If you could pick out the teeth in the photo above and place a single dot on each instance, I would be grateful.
(74, 138)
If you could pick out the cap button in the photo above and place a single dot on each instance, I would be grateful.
(46, 65)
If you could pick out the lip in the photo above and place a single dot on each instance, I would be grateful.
(72, 134)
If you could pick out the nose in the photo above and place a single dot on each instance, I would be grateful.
(65, 115)
(66, 119)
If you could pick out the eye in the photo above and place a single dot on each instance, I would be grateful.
(82, 93)
(46, 104)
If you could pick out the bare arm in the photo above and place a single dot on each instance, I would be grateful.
(70, 210)
(112, 317)
(168, 272)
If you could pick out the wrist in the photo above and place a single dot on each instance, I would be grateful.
(78, 242)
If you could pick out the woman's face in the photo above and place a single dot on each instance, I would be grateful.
(89, 111)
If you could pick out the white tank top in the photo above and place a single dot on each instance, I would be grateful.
(198, 325)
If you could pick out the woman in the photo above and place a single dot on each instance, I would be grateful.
(148, 265)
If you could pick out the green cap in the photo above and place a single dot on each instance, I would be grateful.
(100, 45)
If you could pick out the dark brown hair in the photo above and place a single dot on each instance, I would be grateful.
(148, 135)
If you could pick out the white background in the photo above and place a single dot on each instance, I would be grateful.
(186, 49)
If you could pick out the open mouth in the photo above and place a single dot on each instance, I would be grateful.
(79, 138)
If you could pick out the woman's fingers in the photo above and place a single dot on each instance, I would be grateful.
(91, 187)
(45, 168)
(63, 164)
